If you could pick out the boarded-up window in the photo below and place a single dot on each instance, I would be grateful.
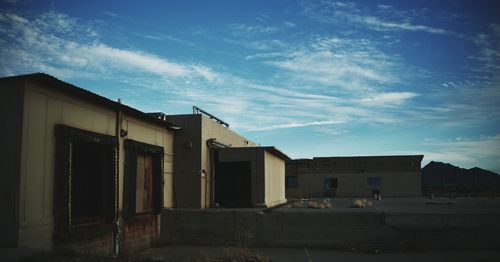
(143, 184)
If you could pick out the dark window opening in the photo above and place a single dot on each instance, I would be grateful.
(374, 182)
(84, 179)
(330, 183)
(291, 181)
(143, 185)
(91, 181)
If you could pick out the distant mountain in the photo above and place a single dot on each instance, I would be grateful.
(437, 174)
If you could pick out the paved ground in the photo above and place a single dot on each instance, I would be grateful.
(219, 254)
(194, 253)
(490, 206)
(486, 205)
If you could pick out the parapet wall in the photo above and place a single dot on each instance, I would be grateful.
(356, 229)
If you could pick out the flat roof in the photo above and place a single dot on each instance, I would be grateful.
(271, 149)
(275, 151)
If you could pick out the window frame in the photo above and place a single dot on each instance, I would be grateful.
(66, 137)
(132, 150)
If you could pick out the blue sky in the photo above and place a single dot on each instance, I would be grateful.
(314, 78)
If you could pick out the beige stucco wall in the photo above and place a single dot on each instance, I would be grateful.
(43, 109)
(192, 157)
(400, 175)
(211, 129)
(274, 179)
(148, 133)
(267, 174)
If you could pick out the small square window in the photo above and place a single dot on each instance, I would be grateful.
(291, 181)
(374, 182)
(330, 183)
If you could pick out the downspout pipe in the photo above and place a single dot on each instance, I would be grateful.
(117, 226)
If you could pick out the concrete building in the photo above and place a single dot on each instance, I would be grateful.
(249, 177)
(80, 170)
(363, 176)
(203, 149)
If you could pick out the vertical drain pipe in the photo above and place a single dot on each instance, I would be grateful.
(117, 228)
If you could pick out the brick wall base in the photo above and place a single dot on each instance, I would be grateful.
(139, 233)
(101, 245)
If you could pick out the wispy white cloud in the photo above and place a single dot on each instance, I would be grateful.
(258, 36)
(111, 14)
(53, 40)
(381, 6)
(391, 98)
(135, 60)
(209, 74)
(295, 125)
(488, 55)
(349, 78)
(262, 45)
(378, 24)
(461, 103)
(240, 29)
(267, 55)
(349, 64)
(342, 12)
(160, 37)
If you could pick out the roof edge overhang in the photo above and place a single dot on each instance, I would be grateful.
(52, 83)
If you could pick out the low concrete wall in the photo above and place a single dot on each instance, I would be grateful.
(359, 229)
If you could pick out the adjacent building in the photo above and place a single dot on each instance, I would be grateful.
(80, 170)
(359, 176)
(249, 177)
(210, 157)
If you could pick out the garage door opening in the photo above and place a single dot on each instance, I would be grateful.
(233, 184)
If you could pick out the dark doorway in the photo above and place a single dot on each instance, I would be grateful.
(232, 184)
